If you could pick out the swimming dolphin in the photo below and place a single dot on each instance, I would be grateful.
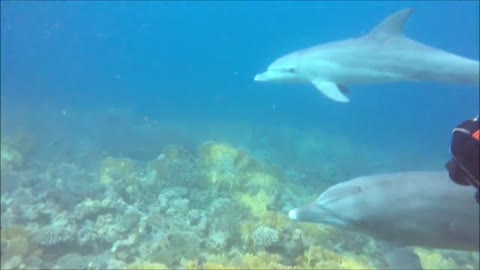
(406, 209)
(383, 55)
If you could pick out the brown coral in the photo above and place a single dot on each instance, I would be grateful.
(14, 241)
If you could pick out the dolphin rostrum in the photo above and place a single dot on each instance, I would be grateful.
(405, 209)
(383, 55)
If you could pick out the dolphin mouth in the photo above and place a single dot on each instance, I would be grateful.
(319, 214)
(293, 214)
(261, 77)
(307, 213)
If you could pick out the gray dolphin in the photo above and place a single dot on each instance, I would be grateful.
(383, 55)
(415, 208)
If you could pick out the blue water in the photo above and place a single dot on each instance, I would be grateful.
(188, 67)
(196, 60)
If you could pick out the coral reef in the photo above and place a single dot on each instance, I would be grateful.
(177, 165)
(10, 157)
(52, 235)
(264, 237)
(216, 208)
(14, 241)
(320, 258)
(437, 259)
(224, 165)
(15, 148)
(116, 169)
(72, 261)
(146, 266)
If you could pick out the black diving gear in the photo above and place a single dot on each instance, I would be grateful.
(464, 166)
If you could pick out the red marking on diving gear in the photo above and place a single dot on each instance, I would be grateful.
(476, 135)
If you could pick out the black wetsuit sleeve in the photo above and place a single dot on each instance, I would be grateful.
(465, 148)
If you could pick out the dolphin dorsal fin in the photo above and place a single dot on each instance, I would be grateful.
(391, 26)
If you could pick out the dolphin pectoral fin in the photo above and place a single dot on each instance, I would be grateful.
(343, 88)
(331, 90)
(399, 257)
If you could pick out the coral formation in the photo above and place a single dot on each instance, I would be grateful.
(320, 258)
(52, 235)
(72, 261)
(14, 241)
(15, 247)
(434, 259)
(264, 237)
(115, 169)
(10, 157)
(146, 266)
(257, 204)
(217, 208)
(224, 165)
(177, 165)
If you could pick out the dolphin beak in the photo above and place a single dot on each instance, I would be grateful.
(307, 213)
(261, 77)
(293, 214)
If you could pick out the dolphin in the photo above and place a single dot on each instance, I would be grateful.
(403, 209)
(384, 55)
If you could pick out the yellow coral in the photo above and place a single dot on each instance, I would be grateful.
(19, 246)
(351, 263)
(320, 258)
(214, 266)
(276, 220)
(262, 260)
(146, 266)
(231, 169)
(219, 261)
(225, 165)
(257, 204)
(432, 259)
(261, 179)
(209, 265)
(189, 264)
(116, 168)
(213, 153)
(320, 231)
(14, 241)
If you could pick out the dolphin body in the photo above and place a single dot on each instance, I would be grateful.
(406, 209)
(384, 55)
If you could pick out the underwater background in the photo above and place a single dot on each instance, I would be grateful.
(133, 134)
